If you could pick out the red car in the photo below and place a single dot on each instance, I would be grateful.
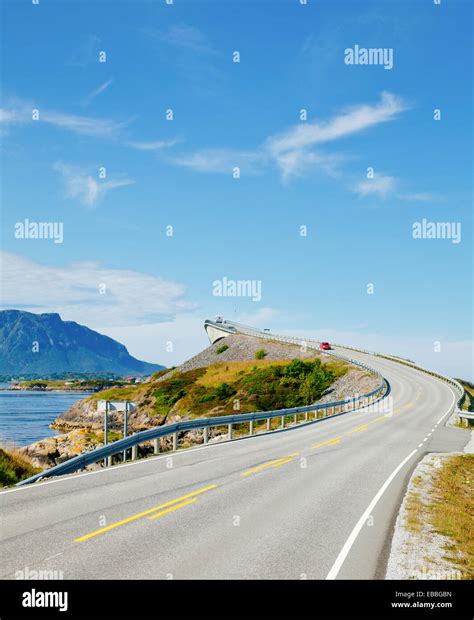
(325, 346)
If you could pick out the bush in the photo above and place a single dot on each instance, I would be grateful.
(260, 354)
(224, 390)
(222, 348)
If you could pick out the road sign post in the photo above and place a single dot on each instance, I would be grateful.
(115, 405)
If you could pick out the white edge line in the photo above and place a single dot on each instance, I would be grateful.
(336, 567)
(149, 459)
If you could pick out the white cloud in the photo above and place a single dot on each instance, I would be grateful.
(157, 145)
(20, 112)
(380, 185)
(383, 186)
(97, 91)
(421, 197)
(220, 160)
(74, 290)
(81, 185)
(83, 125)
(293, 150)
(354, 120)
(182, 36)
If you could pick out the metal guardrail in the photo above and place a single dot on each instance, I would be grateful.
(154, 434)
(98, 454)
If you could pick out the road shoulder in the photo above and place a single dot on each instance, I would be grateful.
(420, 548)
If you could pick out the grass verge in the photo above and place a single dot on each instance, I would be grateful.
(452, 511)
(14, 466)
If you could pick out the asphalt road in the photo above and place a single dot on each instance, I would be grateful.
(314, 502)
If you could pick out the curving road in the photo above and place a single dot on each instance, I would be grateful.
(317, 501)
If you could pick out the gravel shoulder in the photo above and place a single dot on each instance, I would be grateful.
(418, 551)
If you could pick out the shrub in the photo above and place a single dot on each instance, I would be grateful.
(224, 390)
(260, 354)
(222, 348)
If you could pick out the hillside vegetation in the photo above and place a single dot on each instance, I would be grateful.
(223, 388)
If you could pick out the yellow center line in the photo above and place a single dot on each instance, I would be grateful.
(282, 463)
(330, 442)
(165, 512)
(274, 463)
(359, 429)
(143, 514)
(382, 417)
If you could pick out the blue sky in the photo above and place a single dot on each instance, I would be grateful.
(293, 172)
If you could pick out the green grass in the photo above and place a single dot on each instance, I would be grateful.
(222, 348)
(14, 466)
(452, 511)
(260, 354)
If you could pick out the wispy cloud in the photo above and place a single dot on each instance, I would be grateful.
(157, 145)
(353, 120)
(86, 53)
(384, 186)
(182, 36)
(196, 60)
(220, 160)
(379, 185)
(97, 91)
(87, 126)
(19, 111)
(90, 292)
(293, 151)
(421, 197)
(83, 186)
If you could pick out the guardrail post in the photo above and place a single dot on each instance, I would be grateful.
(134, 452)
(175, 441)
(295, 418)
(251, 427)
(156, 446)
(106, 428)
(125, 427)
(229, 431)
(268, 423)
(283, 421)
(109, 461)
(206, 434)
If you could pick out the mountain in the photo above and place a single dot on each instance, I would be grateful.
(45, 344)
